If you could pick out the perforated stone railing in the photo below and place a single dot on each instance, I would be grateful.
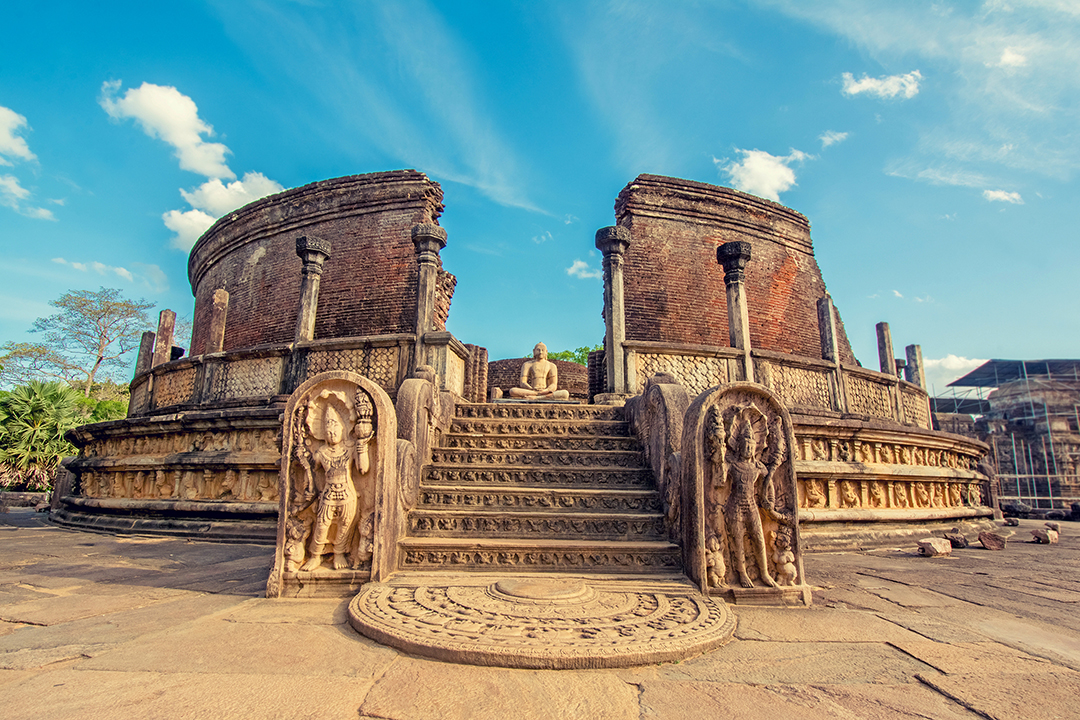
(804, 384)
(259, 375)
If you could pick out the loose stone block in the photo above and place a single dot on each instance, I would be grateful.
(935, 547)
(1056, 527)
(957, 540)
(1012, 522)
(992, 540)
(1045, 536)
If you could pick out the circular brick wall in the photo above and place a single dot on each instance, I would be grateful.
(368, 285)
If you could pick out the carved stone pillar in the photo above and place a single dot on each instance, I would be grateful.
(313, 252)
(164, 338)
(429, 239)
(734, 256)
(215, 336)
(830, 349)
(884, 349)
(146, 353)
(915, 372)
(612, 242)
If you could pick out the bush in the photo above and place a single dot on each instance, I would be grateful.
(33, 420)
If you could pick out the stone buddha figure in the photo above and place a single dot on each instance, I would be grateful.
(539, 378)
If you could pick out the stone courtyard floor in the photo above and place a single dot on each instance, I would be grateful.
(100, 626)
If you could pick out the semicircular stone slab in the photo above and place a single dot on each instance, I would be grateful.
(542, 623)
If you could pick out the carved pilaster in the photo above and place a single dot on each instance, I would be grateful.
(613, 241)
(734, 256)
(429, 239)
(313, 252)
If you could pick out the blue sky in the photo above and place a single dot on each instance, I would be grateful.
(933, 145)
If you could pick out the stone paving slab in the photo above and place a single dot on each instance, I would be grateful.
(661, 700)
(417, 688)
(79, 694)
(879, 643)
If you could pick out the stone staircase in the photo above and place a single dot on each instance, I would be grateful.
(538, 487)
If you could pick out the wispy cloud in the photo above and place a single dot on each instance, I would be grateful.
(165, 113)
(542, 237)
(832, 137)
(761, 173)
(11, 145)
(889, 86)
(150, 276)
(1003, 196)
(580, 269)
(896, 293)
(12, 195)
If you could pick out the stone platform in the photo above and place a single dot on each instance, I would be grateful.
(553, 622)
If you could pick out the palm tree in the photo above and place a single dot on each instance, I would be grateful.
(33, 420)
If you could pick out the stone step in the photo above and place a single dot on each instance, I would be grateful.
(540, 458)
(483, 523)
(608, 428)
(542, 499)
(538, 411)
(573, 443)
(509, 476)
(509, 554)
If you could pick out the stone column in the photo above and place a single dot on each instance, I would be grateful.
(830, 348)
(613, 241)
(146, 353)
(734, 256)
(429, 239)
(215, 340)
(915, 371)
(313, 252)
(884, 349)
(163, 339)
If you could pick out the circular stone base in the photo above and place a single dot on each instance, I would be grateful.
(562, 623)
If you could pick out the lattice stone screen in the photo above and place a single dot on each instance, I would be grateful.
(697, 374)
(174, 387)
(801, 386)
(379, 364)
(254, 377)
(915, 409)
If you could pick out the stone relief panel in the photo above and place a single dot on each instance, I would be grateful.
(739, 448)
(817, 494)
(252, 377)
(868, 398)
(140, 398)
(798, 386)
(193, 484)
(174, 387)
(338, 464)
(380, 364)
(697, 374)
(916, 409)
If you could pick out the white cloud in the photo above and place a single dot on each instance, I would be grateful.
(896, 293)
(12, 194)
(581, 269)
(831, 137)
(760, 173)
(1012, 58)
(12, 146)
(1003, 196)
(542, 237)
(884, 87)
(188, 226)
(216, 198)
(570, 219)
(99, 267)
(942, 371)
(152, 276)
(166, 113)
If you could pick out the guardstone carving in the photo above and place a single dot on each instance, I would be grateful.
(339, 460)
(739, 472)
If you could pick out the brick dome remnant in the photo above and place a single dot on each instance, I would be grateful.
(674, 292)
(368, 285)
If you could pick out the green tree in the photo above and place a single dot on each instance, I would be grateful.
(580, 356)
(86, 340)
(33, 420)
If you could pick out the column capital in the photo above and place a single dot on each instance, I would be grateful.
(312, 250)
(613, 239)
(428, 238)
(734, 256)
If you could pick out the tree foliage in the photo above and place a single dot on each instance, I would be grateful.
(83, 342)
(33, 420)
(580, 355)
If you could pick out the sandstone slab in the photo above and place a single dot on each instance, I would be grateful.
(962, 658)
(1006, 697)
(814, 625)
(993, 541)
(427, 689)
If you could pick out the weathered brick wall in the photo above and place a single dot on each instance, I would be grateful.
(674, 288)
(368, 285)
(506, 373)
